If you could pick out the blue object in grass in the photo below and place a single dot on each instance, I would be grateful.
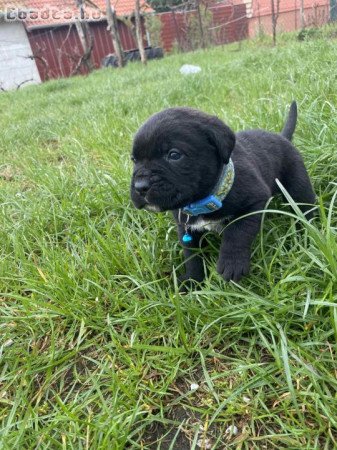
(187, 238)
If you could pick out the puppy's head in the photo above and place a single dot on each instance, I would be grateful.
(178, 155)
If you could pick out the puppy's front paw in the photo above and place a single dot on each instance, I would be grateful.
(233, 267)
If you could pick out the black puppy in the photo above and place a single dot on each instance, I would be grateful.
(193, 164)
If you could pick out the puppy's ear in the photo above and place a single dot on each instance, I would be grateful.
(222, 138)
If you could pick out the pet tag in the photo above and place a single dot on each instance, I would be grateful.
(187, 238)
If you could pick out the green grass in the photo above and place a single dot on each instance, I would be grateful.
(98, 349)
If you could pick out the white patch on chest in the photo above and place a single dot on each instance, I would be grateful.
(209, 225)
(152, 208)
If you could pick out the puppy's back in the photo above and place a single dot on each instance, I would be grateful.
(269, 154)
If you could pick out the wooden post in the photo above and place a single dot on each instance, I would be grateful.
(176, 29)
(86, 38)
(139, 33)
(201, 28)
(113, 28)
(302, 15)
(81, 34)
(275, 10)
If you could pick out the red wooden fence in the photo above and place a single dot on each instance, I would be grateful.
(57, 50)
(229, 23)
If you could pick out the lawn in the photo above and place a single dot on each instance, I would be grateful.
(98, 349)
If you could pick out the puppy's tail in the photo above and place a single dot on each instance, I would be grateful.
(290, 125)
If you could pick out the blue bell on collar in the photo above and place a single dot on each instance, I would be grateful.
(187, 238)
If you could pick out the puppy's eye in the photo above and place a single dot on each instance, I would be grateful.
(133, 159)
(174, 155)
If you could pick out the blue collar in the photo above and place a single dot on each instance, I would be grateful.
(213, 202)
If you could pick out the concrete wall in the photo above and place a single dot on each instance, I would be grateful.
(15, 67)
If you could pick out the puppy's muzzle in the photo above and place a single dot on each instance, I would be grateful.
(142, 186)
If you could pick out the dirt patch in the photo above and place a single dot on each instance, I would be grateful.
(8, 172)
(161, 436)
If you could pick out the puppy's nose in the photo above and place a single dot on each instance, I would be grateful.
(142, 186)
